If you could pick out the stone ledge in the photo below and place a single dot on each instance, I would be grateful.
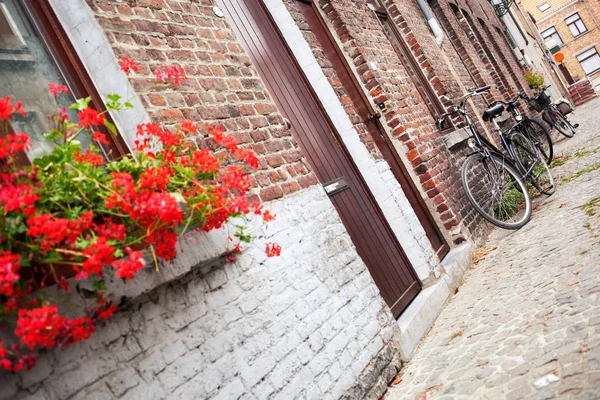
(453, 140)
(416, 320)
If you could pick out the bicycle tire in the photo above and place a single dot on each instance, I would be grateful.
(532, 164)
(539, 135)
(561, 124)
(494, 171)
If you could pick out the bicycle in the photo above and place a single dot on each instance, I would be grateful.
(533, 129)
(493, 180)
(551, 113)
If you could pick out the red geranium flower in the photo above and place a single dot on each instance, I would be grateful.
(56, 89)
(273, 250)
(127, 65)
(89, 116)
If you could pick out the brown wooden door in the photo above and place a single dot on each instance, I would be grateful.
(376, 130)
(322, 146)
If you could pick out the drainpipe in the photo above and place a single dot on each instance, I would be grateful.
(433, 24)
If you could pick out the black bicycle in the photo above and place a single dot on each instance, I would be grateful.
(551, 113)
(494, 180)
(533, 129)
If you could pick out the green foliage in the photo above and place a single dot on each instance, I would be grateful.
(534, 79)
(510, 203)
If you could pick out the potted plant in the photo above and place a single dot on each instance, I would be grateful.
(75, 213)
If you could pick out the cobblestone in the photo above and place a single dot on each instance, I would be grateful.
(525, 322)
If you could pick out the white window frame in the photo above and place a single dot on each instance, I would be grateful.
(576, 24)
(587, 55)
(554, 35)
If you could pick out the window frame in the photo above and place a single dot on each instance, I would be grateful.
(60, 49)
(574, 24)
(587, 58)
(546, 38)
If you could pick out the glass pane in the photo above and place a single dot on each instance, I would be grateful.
(591, 64)
(581, 26)
(586, 54)
(26, 68)
(572, 18)
(573, 29)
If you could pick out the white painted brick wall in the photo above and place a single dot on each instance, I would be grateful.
(304, 325)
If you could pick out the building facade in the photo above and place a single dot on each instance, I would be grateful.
(573, 27)
(331, 93)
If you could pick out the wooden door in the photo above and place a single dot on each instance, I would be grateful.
(376, 130)
(321, 145)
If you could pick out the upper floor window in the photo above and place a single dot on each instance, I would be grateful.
(589, 60)
(575, 24)
(544, 6)
(551, 33)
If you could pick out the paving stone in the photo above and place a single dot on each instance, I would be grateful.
(530, 310)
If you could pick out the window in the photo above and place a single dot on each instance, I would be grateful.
(551, 33)
(543, 7)
(589, 60)
(575, 24)
(34, 51)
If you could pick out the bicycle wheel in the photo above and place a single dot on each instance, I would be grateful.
(561, 124)
(532, 163)
(535, 131)
(495, 189)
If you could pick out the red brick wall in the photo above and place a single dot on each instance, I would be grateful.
(223, 87)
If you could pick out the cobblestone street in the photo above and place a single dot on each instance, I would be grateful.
(525, 322)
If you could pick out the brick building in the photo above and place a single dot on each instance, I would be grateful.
(573, 26)
(329, 94)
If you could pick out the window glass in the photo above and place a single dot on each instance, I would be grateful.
(26, 68)
(543, 7)
(589, 60)
(576, 25)
(551, 33)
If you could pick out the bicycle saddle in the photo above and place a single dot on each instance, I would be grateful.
(493, 112)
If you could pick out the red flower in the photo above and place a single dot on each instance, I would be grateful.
(230, 144)
(249, 157)
(9, 265)
(204, 161)
(111, 230)
(128, 267)
(127, 65)
(12, 144)
(267, 216)
(52, 231)
(39, 326)
(156, 179)
(217, 133)
(89, 157)
(237, 248)
(100, 137)
(89, 116)
(6, 109)
(99, 254)
(273, 250)
(17, 197)
(124, 192)
(78, 329)
(56, 89)
(105, 313)
(174, 74)
(188, 127)
(230, 258)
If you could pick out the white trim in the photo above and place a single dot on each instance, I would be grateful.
(100, 61)
(12, 24)
(377, 174)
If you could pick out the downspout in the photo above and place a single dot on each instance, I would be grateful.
(433, 24)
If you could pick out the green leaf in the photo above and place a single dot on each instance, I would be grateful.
(128, 105)
(81, 104)
(111, 127)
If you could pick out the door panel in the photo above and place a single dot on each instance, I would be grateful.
(376, 130)
(321, 145)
